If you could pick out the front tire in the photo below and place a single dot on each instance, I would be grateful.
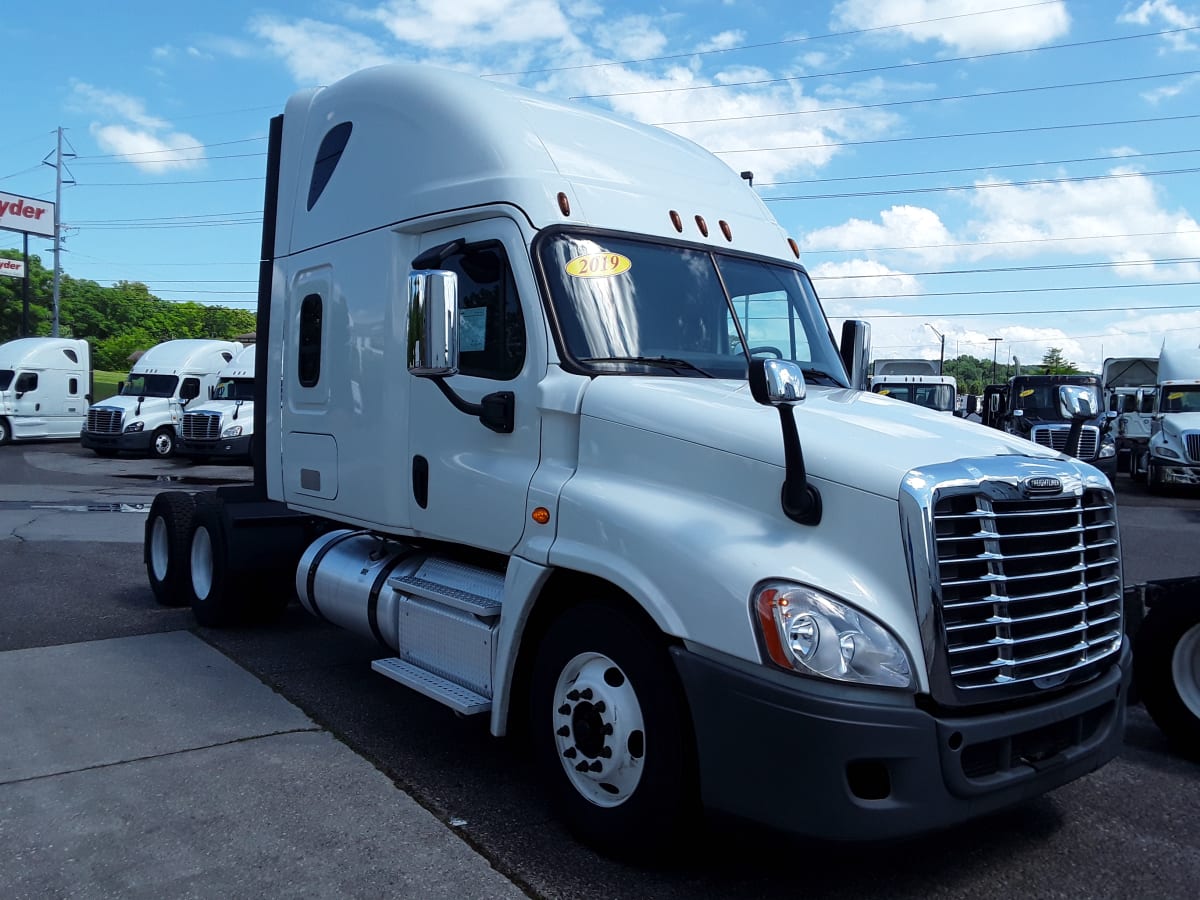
(5, 432)
(1166, 660)
(163, 444)
(168, 529)
(611, 733)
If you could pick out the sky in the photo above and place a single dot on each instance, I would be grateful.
(963, 170)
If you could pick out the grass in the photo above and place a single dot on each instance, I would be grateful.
(104, 384)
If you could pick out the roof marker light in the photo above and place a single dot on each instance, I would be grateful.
(702, 225)
(564, 204)
(795, 247)
(726, 230)
(677, 221)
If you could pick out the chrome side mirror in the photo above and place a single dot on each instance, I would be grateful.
(433, 323)
(856, 351)
(776, 381)
(1078, 401)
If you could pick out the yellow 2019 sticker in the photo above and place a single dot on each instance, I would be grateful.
(598, 265)
(1177, 396)
(1028, 393)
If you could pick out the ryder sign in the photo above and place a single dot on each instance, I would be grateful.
(26, 214)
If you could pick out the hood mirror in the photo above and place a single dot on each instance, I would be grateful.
(780, 383)
(1078, 401)
(775, 381)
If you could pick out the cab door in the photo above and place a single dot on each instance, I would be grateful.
(27, 404)
(469, 483)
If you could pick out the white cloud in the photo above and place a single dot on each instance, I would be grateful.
(152, 152)
(101, 102)
(901, 226)
(1170, 91)
(961, 25)
(437, 25)
(631, 37)
(722, 41)
(318, 52)
(839, 282)
(1167, 15)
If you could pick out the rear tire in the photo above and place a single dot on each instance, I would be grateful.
(611, 733)
(168, 530)
(1166, 657)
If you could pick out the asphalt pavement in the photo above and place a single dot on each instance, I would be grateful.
(152, 765)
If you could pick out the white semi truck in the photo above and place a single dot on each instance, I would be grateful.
(1172, 453)
(222, 426)
(1129, 391)
(144, 416)
(549, 409)
(45, 387)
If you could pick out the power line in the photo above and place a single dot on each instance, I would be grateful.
(240, 212)
(893, 67)
(1047, 240)
(172, 159)
(1033, 290)
(976, 187)
(1052, 268)
(798, 40)
(958, 134)
(158, 183)
(984, 167)
(1020, 312)
(998, 93)
(174, 149)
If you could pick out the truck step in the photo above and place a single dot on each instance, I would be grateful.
(466, 588)
(458, 698)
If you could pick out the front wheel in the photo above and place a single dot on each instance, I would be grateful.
(163, 444)
(5, 431)
(1167, 670)
(611, 733)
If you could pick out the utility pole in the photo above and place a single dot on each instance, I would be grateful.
(995, 347)
(58, 167)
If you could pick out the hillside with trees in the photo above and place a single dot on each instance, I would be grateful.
(117, 320)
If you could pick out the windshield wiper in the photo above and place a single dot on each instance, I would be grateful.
(821, 376)
(663, 362)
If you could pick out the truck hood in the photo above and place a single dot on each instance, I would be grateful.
(1180, 422)
(855, 438)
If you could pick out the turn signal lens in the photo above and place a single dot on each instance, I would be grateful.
(541, 515)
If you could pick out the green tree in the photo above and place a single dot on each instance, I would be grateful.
(1054, 363)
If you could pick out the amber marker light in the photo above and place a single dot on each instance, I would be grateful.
(726, 230)
(702, 225)
(541, 515)
(795, 247)
(564, 204)
(769, 605)
(677, 221)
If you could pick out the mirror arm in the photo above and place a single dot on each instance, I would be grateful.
(1072, 448)
(497, 411)
(800, 500)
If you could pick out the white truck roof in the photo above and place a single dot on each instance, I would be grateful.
(241, 366)
(906, 367)
(482, 143)
(43, 353)
(1129, 371)
(186, 355)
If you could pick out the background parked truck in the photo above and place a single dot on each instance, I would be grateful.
(1172, 454)
(1129, 393)
(144, 416)
(223, 425)
(548, 409)
(45, 387)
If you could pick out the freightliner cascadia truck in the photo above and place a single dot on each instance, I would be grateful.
(550, 410)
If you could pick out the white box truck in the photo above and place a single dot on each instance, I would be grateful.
(45, 386)
(549, 409)
(1172, 454)
(222, 426)
(144, 416)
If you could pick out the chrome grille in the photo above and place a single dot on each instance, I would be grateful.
(1030, 588)
(1192, 440)
(1055, 436)
(199, 426)
(104, 420)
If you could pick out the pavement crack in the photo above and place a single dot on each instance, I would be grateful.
(136, 759)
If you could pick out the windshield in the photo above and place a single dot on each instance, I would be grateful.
(931, 396)
(150, 386)
(234, 389)
(631, 306)
(1038, 400)
(1181, 399)
(6, 377)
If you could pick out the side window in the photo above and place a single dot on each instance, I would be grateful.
(771, 326)
(26, 382)
(329, 154)
(72, 386)
(308, 358)
(491, 326)
(190, 389)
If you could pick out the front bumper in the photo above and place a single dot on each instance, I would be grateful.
(1171, 473)
(848, 769)
(227, 447)
(133, 441)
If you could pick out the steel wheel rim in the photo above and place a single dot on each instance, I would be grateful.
(599, 730)
(202, 561)
(160, 548)
(162, 444)
(1185, 669)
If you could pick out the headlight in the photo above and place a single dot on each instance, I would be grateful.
(1107, 450)
(232, 431)
(1166, 452)
(810, 632)
(134, 426)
